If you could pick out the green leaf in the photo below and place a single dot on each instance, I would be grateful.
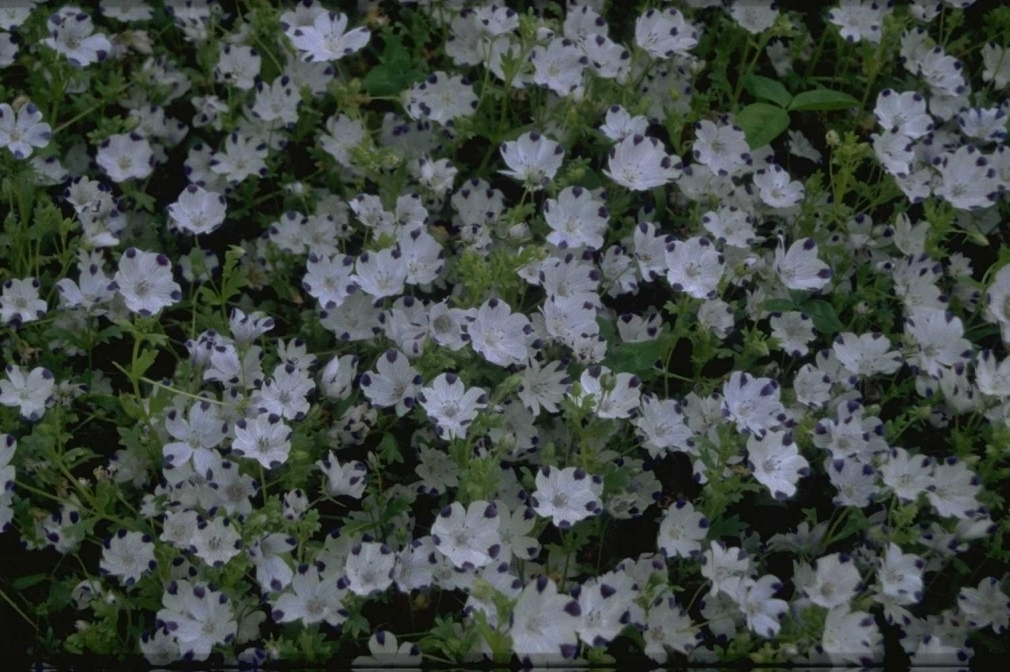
(765, 88)
(823, 315)
(637, 358)
(395, 72)
(726, 526)
(26, 582)
(779, 305)
(822, 99)
(762, 123)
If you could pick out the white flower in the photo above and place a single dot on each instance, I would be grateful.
(127, 556)
(198, 616)
(613, 395)
(776, 189)
(682, 530)
(347, 480)
(968, 181)
(669, 626)
(20, 302)
(776, 462)
(866, 354)
(369, 568)
(752, 403)
(903, 113)
(860, 19)
(498, 334)
(311, 599)
(835, 583)
(566, 496)
(327, 38)
(31, 393)
(265, 439)
(799, 268)
(216, 541)
(640, 163)
(388, 652)
(469, 537)
(451, 405)
(852, 637)
(543, 623)
(985, 605)
(144, 280)
(725, 567)
(577, 219)
(21, 131)
(619, 124)
(723, 149)
(532, 159)
(695, 267)
(72, 35)
(664, 34)
(125, 156)
(762, 610)
(198, 211)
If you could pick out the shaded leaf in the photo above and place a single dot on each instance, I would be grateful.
(762, 123)
(766, 88)
(822, 99)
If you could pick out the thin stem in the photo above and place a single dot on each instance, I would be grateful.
(16, 608)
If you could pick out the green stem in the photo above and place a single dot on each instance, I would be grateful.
(17, 609)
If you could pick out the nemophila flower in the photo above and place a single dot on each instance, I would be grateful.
(776, 463)
(758, 604)
(954, 489)
(619, 124)
(469, 537)
(441, 98)
(310, 599)
(577, 219)
(866, 354)
(894, 151)
(716, 316)
(387, 651)
(198, 211)
(986, 605)
(127, 556)
(532, 159)
(125, 156)
(451, 405)
(436, 175)
(285, 393)
(776, 189)
(328, 39)
(216, 541)
(195, 436)
(329, 279)
(613, 395)
(899, 577)
(996, 63)
(835, 582)
(694, 266)
(559, 65)
(800, 146)
(903, 113)
(754, 16)
(793, 330)
(369, 568)
(907, 475)
(20, 302)
(240, 158)
(938, 339)
(344, 480)
(607, 606)
(664, 34)
(380, 274)
(22, 130)
(566, 496)
(199, 616)
(542, 624)
(799, 268)
(723, 149)
(71, 34)
(640, 163)
(725, 567)
(943, 73)
(499, 335)
(238, 66)
(30, 393)
(992, 376)
(144, 280)
(983, 125)
(752, 403)
(543, 386)
(661, 426)
(265, 438)
(967, 180)
(859, 20)
(394, 383)
(681, 530)
(668, 626)
(852, 637)
(8, 446)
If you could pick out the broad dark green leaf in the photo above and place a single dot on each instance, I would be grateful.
(779, 305)
(822, 99)
(823, 315)
(762, 123)
(766, 88)
(396, 71)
